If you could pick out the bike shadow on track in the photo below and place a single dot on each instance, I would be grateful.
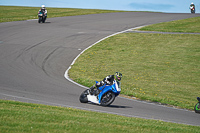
(118, 106)
(111, 106)
(45, 23)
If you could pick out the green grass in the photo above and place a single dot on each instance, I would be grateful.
(18, 13)
(186, 25)
(157, 67)
(24, 117)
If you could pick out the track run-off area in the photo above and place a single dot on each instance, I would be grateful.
(34, 58)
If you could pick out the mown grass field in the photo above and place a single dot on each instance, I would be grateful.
(18, 13)
(20, 117)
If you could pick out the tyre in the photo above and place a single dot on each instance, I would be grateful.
(197, 108)
(192, 11)
(107, 98)
(83, 97)
(43, 20)
(39, 19)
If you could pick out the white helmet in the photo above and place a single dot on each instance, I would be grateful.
(192, 3)
(43, 6)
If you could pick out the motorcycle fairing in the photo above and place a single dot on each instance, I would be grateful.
(197, 106)
(93, 99)
(106, 88)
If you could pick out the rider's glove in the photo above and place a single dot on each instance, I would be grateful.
(108, 82)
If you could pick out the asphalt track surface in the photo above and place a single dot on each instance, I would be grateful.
(34, 58)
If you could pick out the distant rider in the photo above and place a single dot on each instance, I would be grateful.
(109, 80)
(192, 6)
(43, 10)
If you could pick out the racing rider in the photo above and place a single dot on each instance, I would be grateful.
(192, 6)
(109, 80)
(43, 10)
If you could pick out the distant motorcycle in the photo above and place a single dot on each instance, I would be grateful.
(103, 95)
(197, 106)
(42, 17)
(192, 9)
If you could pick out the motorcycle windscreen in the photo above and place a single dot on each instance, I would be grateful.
(118, 86)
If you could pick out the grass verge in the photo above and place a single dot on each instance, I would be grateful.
(18, 13)
(157, 67)
(187, 25)
(25, 117)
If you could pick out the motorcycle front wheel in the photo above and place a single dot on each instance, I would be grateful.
(192, 11)
(39, 19)
(44, 19)
(107, 98)
(197, 108)
(83, 97)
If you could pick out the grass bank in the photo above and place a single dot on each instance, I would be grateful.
(24, 117)
(187, 25)
(18, 13)
(157, 67)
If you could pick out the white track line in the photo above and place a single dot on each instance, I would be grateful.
(63, 105)
(67, 76)
(81, 108)
(66, 72)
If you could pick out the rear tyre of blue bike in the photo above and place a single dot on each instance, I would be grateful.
(83, 97)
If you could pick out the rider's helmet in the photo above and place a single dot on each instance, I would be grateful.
(43, 6)
(192, 3)
(118, 76)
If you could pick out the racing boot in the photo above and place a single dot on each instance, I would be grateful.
(96, 91)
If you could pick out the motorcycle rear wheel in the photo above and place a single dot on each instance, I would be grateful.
(192, 11)
(83, 97)
(197, 108)
(107, 98)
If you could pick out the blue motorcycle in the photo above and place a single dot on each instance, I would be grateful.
(104, 95)
(197, 106)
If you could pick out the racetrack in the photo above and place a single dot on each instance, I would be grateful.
(34, 58)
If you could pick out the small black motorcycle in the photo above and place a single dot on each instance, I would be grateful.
(42, 17)
(192, 9)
